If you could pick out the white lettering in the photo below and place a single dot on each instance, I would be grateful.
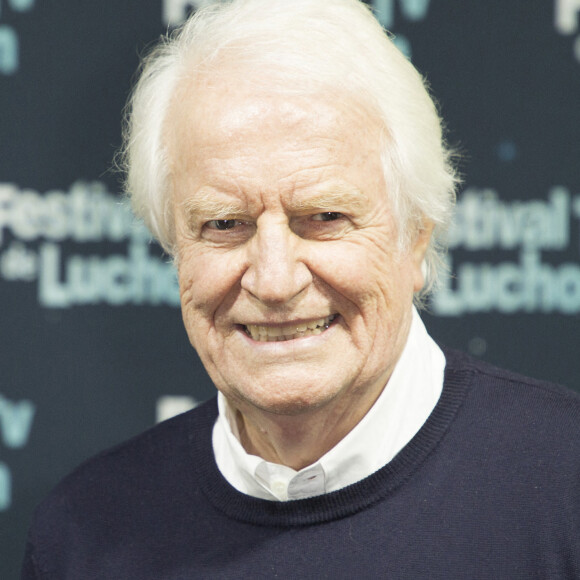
(117, 275)
(51, 292)
(415, 9)
(5, 487)
(21, 5)
(15, 421)
(138, 278)
(528, 286)
(576, 206)
(83, 279)
(9, 50)
(154, 281)
(7, 194)
(170, 406)
(25, 221)
(88, 213)
(560, 217)
(566, 16)
(445, 300)
(569, 289)
(404, 45)
(385, 12)
(18, 263)
(509, 280)
(483, 222)
(540, 285)
(175, 11)
(57, 216)
(85, 209)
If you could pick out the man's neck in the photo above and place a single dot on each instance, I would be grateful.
(300, 440)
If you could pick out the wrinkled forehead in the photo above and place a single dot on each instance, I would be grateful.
(245, 139)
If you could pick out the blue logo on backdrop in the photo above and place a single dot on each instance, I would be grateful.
(9, 43)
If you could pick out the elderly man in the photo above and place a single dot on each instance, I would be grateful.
(292, 161)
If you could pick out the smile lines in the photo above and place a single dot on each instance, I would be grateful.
(279, 333)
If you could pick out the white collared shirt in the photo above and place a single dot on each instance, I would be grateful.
(399, 412)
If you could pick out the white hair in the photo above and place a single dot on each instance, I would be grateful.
(305, 46)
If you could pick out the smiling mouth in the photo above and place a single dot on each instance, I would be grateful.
(278, 333)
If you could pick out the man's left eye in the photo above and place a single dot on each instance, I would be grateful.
(327, 216)
(222, 225)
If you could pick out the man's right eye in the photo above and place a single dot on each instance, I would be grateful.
(327, 216)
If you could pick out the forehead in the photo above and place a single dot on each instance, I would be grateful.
(227, 104)
(248, 132)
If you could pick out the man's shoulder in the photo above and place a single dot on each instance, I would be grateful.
(489, 374)
(151, 458)
(175, 435)
(133, 488)
(516, 401)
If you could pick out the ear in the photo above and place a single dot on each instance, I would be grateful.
(417, 253)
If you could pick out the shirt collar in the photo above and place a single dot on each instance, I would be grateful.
(399, 412)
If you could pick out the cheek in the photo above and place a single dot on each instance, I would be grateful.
(360, 270)
(188, 296)
(207, 285)
(375, 289)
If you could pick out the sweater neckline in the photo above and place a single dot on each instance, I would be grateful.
(337, 504)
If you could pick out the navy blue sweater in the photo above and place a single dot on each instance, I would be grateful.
(488, 488)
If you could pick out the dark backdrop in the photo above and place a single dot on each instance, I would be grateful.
(93, 349)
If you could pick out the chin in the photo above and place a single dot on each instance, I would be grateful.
(289, 401)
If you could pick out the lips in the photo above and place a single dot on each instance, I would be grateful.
(288, 332)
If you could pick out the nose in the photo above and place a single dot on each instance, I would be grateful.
(275, 272)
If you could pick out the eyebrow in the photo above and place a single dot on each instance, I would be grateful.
(204, 203)
(331, 198)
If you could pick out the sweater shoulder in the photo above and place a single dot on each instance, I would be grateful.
(104, 497)
(168, 438)
(153, 455)
(485, 370)
(503, 392)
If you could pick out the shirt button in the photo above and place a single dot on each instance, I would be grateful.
(279, 487)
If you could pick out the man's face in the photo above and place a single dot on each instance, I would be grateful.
(293, 290)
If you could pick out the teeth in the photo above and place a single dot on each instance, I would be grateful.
(275, 333)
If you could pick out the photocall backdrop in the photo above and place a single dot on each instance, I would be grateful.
(93, 349)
